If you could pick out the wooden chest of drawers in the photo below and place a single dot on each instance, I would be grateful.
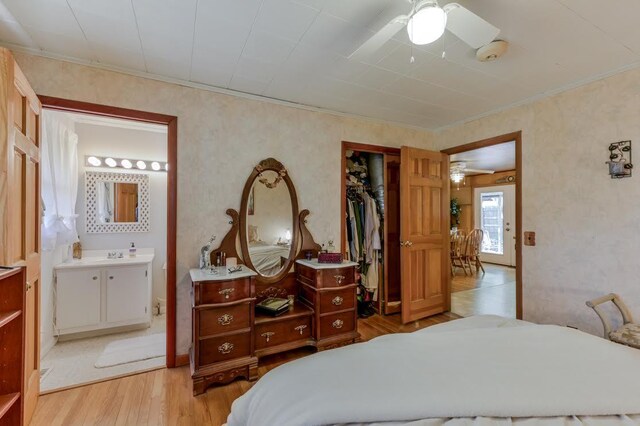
(223, 339)
(330, 290)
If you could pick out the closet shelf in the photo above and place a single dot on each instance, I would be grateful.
(8, 316)
(7, 401)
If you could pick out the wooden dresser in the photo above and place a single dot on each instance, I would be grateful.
(330, 290)
(223, 328)
(229, 336)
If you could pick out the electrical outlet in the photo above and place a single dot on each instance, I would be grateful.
(529, 238)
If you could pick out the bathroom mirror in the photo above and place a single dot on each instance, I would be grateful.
(116, 202)
(269, 221)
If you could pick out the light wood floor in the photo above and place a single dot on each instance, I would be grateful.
(494, 275)
(164, 397)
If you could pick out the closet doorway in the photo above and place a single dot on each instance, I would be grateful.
(401, 197)
(490, 178)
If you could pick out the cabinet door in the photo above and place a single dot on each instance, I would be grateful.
(77, 298)
(127, 293)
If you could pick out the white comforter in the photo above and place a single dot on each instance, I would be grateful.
(458, 373)
(267, 259)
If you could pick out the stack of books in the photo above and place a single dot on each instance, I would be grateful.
(273, 306)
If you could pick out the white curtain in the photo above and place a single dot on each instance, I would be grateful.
(59, 159)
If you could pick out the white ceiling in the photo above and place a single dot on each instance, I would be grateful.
(499, 158)
(295, 50)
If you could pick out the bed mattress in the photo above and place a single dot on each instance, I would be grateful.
(482, 370)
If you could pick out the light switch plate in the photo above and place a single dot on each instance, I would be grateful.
(529, 238)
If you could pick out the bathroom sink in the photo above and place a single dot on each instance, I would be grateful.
(100, 258)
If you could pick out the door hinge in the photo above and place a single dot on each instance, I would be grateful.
(146, 273)
(145, 309)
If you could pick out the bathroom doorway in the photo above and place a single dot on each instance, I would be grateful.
(107, 304)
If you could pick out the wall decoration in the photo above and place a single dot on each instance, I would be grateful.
(94, 225)
(620, 165)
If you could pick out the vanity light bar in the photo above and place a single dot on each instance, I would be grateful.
(124, 163)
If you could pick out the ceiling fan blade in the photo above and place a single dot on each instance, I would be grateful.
(380, 38)
(469, 27)
(488, 172)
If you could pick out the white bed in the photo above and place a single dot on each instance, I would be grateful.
(475, 371)
(267, 258)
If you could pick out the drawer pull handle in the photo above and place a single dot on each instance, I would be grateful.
(268, 335)
(94, 278)
(300, 328)
(225, 348)
(226, 292)
(337, 323)
(337, 300)
(225, 319)
(339, 278)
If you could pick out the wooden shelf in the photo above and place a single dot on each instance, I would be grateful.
(7, 317)
(7, 401)
(298, 310)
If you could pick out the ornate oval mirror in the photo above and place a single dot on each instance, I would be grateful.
(269, 221)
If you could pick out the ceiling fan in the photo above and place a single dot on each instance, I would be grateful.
(426, 22)
(458, 169)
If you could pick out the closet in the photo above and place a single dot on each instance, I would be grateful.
(372, 223)
(395, 210)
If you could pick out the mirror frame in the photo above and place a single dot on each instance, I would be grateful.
(273, 165)
(93, 226)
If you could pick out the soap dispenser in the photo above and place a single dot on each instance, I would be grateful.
(132, 250)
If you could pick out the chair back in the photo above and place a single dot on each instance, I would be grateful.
(457, 244)
(474, 239)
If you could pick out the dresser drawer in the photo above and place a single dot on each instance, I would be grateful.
(336, 277)
(331, 325)
(337, 300)
(223, 291)
(218, 349)
(221, 320)
(278, 332)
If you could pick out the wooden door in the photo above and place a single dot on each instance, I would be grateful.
(126, 202)
(424, 233)
(20, 206)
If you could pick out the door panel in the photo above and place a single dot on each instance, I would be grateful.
(127, 293)
(424, 212)
(77, 298)
(20, 204)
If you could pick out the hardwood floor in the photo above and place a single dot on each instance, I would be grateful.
(165, 396)
(494, 275)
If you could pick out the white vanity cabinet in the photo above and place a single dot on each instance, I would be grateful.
(96, 294)
(78, 298)
(127, 294)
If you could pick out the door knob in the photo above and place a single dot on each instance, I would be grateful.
(406, 243)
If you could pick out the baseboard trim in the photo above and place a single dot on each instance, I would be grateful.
(182, 360)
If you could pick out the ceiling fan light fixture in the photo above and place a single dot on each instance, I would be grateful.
(427, 24)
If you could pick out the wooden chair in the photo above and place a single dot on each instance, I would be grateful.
(629, 333)
(472, 249)
(458, 243)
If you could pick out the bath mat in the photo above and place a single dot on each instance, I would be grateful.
(131, 350)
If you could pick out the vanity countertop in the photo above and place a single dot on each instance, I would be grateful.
(221, 275)
(98, 258)
(313, 263)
